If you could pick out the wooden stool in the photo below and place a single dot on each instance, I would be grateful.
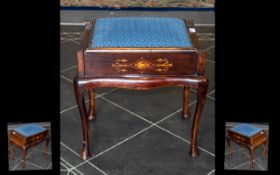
(249, 136)
(26, 136)
(140, 53)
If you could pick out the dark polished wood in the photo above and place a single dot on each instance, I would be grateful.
(140, 69)
(250, 142)
(186, 112)
(24, 143)
(91, 112)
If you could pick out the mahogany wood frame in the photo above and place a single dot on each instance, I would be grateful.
(94, 72)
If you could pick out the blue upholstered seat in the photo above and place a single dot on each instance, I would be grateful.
(140, 32)
(246, 129)
(29, 129)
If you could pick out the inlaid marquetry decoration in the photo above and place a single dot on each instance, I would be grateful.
(142, 65)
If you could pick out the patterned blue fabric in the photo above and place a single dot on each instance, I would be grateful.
(246, 130)
(29, 129)
(140, 32)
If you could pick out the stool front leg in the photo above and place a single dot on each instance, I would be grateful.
(79, 92)
(229, 148)
(24, 150)
(251, 158)
(91, 113)
(201, 92)
(11, 150)
(264, 150)
(186, 112)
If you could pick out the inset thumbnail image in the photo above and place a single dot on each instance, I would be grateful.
(29, 146)
(246, 146)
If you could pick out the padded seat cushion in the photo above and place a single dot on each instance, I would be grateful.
(29, 129)
(140, 32)
(246, 129)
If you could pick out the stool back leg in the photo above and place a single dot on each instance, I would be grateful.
(46, 145)
(186, 112)
(91, 113)
(33, 147)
